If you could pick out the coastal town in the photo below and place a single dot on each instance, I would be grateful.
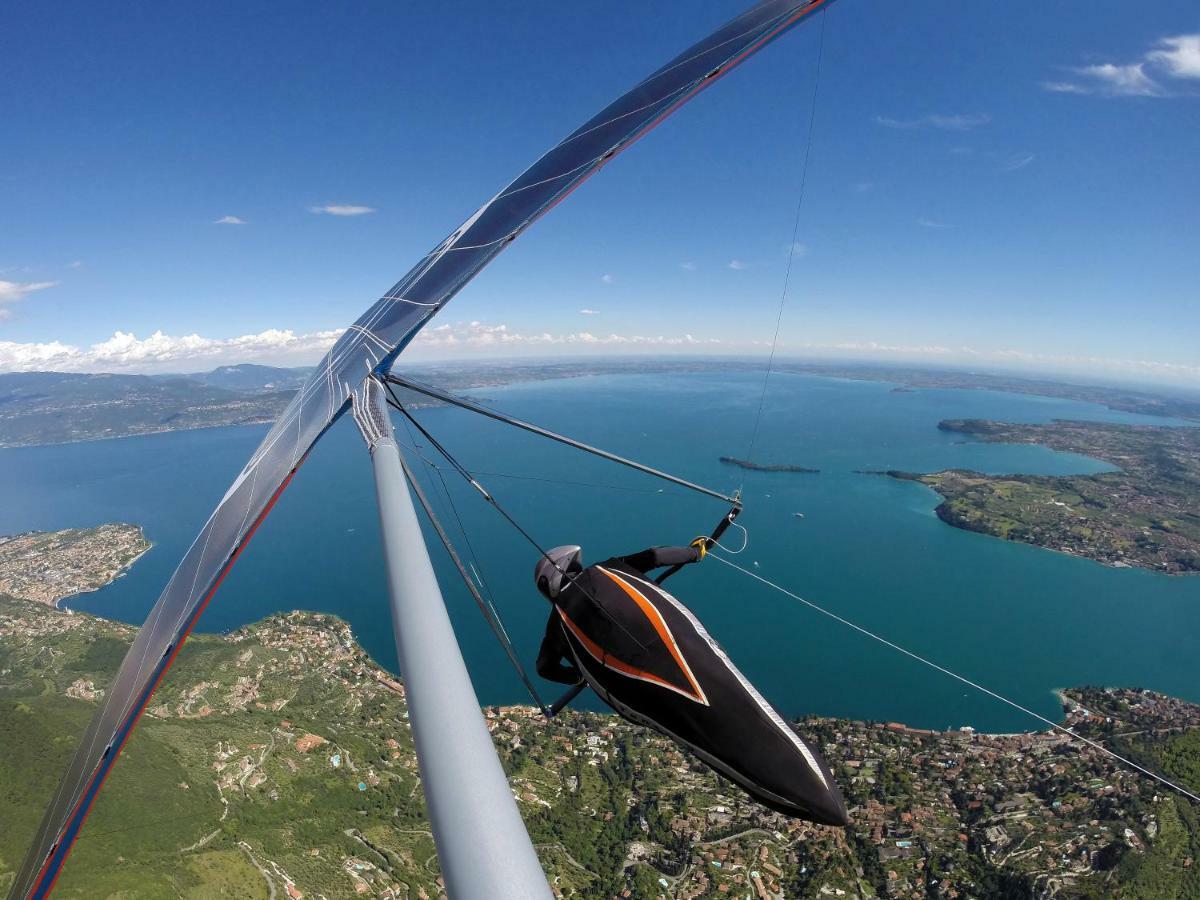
(48, 566)
(279, 759)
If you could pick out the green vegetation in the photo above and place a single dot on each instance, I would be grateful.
(57, 408)
(244, 776)
(1147, 514)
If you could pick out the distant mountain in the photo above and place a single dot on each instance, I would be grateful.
(53, 407)
(56, 408)
(249, 378)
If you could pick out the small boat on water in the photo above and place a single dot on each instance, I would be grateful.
(798, 515)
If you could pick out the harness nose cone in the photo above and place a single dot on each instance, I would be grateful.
(826, 806)
(791, 776)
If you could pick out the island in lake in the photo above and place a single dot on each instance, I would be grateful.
(1146, 514)
(761, 467)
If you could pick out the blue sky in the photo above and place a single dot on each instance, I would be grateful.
(989, 184)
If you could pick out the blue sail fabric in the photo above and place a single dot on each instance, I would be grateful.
(368, 346)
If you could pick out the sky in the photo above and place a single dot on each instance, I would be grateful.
(988, 184)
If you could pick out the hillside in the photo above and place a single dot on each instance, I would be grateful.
(57, 408)
(277, 758)
(54, 408)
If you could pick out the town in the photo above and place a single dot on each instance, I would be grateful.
(279, 758)
(48, 566)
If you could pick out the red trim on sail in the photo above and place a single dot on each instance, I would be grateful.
(138, 715)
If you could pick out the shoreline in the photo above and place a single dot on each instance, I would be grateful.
(943, 503)
(334, 620)
(133, 434)
(903, 380)
(58, 604)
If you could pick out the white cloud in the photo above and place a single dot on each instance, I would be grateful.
(589, 312)
(797, 249)
(1181, 58)
(1121, 81)
(607, 279)
(229, 220)
(459, 336)
(863, 187)
(12, 291)
(75, 264)
(1017, 161)
(1176, 59)
(958, 122)
(15, 291)
(737, 265)
(125, 352)
(688, 266)
(931, 223)
(335, 209)
(1064, 87)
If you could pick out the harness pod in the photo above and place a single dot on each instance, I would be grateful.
(649, 658)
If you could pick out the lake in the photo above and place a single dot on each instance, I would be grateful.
(1015, 618)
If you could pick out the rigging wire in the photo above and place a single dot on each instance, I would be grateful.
(791, 250)
(495, 620)
(485, 607)
(563, 481)
(471, 406)
(466, 474)
(745, 540)
(963, 679)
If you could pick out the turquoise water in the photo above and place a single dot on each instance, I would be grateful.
(1018, 619)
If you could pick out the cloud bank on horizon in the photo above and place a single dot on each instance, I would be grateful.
(161, 353)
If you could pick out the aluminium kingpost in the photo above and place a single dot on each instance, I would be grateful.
(482, 844)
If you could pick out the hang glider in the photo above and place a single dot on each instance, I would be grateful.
(369, 346)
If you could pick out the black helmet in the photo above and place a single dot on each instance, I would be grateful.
(552, 569)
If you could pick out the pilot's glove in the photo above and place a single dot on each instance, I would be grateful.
(701, 546)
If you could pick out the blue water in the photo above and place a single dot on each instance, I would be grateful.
(1015, 618)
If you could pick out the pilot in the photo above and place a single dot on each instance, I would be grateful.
(648, 657)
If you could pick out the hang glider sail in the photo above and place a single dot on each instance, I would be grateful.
(369, 346)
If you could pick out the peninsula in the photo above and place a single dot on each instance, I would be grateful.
(1146, 514)
(49, 566)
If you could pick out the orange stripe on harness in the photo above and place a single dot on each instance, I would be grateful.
(664, 632)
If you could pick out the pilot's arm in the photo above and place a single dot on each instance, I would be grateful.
(553, 651)
(657, 557)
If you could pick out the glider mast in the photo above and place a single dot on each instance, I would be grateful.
(481, 841)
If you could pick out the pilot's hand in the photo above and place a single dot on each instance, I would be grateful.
(701, 545)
